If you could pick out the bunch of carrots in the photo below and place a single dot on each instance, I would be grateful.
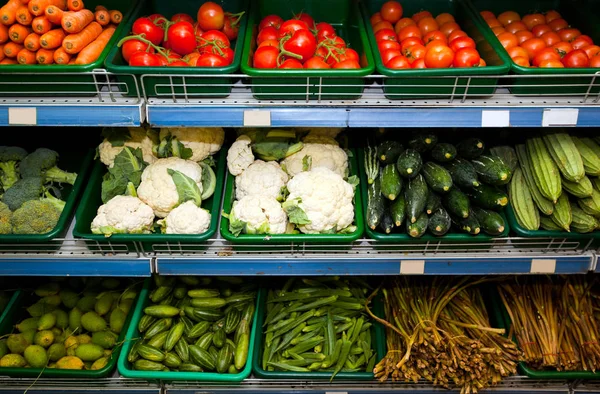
(54, 32)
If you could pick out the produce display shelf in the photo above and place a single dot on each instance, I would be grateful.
(112, 385)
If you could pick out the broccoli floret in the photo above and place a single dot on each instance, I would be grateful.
(9, 159)
(23, 190)
(42, 162)
(37, 216)
(5, 216)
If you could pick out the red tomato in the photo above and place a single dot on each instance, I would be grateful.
(518, 52)
(508, 40)
(130, 47)
(386, 34)
(444, 17)
(310, 22)
(198, 31)
(144, 59)
(524, 35)
(408, 32)
(178, 63)
(532, 20)
(508, 17)
(434, 35)
(211, 16)
(182, 17)
(403, 23)
(414, 52)
(551, 63)
(270, 20)
(449, 27)
(435, 42)
(456, 34)
(550, 38)
(466, 57)
(336, 41)
(462, 42)
(289, 27)
(268, 33)
(382, 25)
(562, 48)
(391, 11)
(533, 46)
(265, 57)
(497, 30)
(577, 58)
(151, 31)
(302, 43)
(545, 54)
(158, 19)
(191, 58)
(428, 24)
(439, 56)
(347, 64)
(493, 23)
(591, 50)
(582, 41)
(228, 55)
(386, 44)
(398, 62)
(388, 54)
(569, 34)
(410, 42)
(539, 30)
(595, 61)
(419, 64)
(269, 43)
(231, 28)
(316, 63)
(420, 15)
(181, 37)
(290, 64)
(324, 30)
(515, 27)
(210, 60)
(348, 54)
(522, 61)
(215, 37)
(376, 17)
(552, 15)
(558, 24)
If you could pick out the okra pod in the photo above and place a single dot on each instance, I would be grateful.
(271, 315)
(356, 329)
(287, 367)
(330, 336)
(371, 364)
(305, 337)
(343, 327)
(354, 306)
(329, 361)
(287, 338)
(314, 327)
(346, 345)
(291, 326)
(272, 349)
(323, 301)
(303, 347)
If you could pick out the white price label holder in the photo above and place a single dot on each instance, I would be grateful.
(22, 116)
(543, 266)
(491, 118)
(412, 267)
(257, 118)
(557, 117)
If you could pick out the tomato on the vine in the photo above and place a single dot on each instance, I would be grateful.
(291, 26)
(182, 17)
(466, 57)
(324, 30)
(149, 29)
(290, 64)
(130, 47)
(268, 33)
(158, 19)
(178, 63)
(439, 56)
(265, 57)
(269, 43)
(181, 37)
(210, 60)
(310, 22)
(215, 37)
(270, 20)
(316, 63)
(211, 16)
(347, 54)
(231, 27)
(301, 43)
(577, 58)
(144, 59)
(347, 64)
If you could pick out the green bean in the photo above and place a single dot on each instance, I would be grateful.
(287, 367)
(314, 304)
(287, 338)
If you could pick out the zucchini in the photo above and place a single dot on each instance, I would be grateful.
(419, 227)
(591, 160)
(492, 170)
(375, 204)
(490, 222)
(423, 142)
(488, 197)
(456, 203)
(545, 172)
(437, 177)
(391, 183)
(565, 156)
(434, 202)
(471, 148)
(416, 197)
(469, 224)
(371, 164)
(463, 173)
(591, 204)
(409, 163)
(387, 222)
(443, 152)
(544, 205)
(389, 151)
(548, 224)
(439, 222)
(507, 154)
(398, 210)
(562, 214)
(581, 189)
(582, 222)
(525, 211)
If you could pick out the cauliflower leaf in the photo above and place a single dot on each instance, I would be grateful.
(117, 136)
(236, 226)
(128, 168)
(186, 187)
(170, 146)
(306, 163)
(295, 214)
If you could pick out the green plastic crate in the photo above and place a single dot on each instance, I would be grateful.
(91, 201)
(262, 239)
(54, 79)
(411, 84)
(538, 85)
(274, 84)
(127, 371)
(16, 312)
(378, 343)
(176, 84)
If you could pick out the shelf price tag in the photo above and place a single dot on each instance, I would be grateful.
(560, 117)
(412, 267)
(257, 118)
(543, 266)
(491, 118)
(22, 116)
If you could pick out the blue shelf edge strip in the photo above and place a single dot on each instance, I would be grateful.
(76, 115)
(76, 267)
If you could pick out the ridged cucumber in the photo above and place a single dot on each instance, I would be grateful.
(596, 182)
(398, 210)
(437, 177)
(389, 151)
(471, 148)
(443, 152)
(492, 170)
(507, 154)
(423, 142)
(562, 214)
(469, 224)
(581, 189)
(439, 222)
(591, 160)
(545, 171)
(525, 211)
(491, 222)
(416, 197)
(582, 222)
(434, 202)
(375, 204)
(488, 197)
(565, 155)
(591, 204)
(456, 203)
(548, 224)
(409, 163)
(544, 205)
(463, 173)
(418, 228)
(391, 183)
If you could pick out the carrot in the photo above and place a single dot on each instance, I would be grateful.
(74, 43)
(25, 56)
(8, 61)
(2, 55)
(41, 25)
(37, 7)
(24, 2)
(24, 17)
(75, 5)
(3, 34)
(44, 56)
(92, 52)
(115, 16)
(8, 13)
(54, 14)
(61, 57)
(53, 39)
(102, 17)
(74, 22)
(17, 33)
(32, 42)
(100, 8)
(11, 49)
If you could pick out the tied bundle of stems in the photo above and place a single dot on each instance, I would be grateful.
(555, 321)
(438, 330)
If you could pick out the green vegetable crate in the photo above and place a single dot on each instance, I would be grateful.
(442, 83)
(378, 340)
(127, 371)
(274, 84)
(258, 239)
(537, 84)
(91, 201)
(167, 82)
(63, 80)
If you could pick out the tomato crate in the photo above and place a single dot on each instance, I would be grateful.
(63, 80)
(442, 82)
(553, 84)
(179, 81)
(329, 84)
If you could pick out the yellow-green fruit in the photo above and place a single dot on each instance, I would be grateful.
(89, 352)
(62, 319)
(28, 324)
(56, 351)
(39, 308)
(105, 339)
(104, 304)
(69, 298)
(13, 360)
(71, 341)
(29, 335)
(125, 305)
(47, 289)
(84, 338)
(3, 347)
(117, 320)
(71, 350)
(53, 300)
(86, 303)
(60, 338)
(107, 352)
(111, 283)
(36, 356)
(99, 364)
(17, 343)
(56, 331)
(93, 322)
(75, 320)
(69, 362)
(44, 338)
(46, 322)
(52, 365)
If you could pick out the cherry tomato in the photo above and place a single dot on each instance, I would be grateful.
(316, 63)
(289, 27)
(347, 64)
(268, 33)
(182, 17)
(533, 46)
(302, 43)
(270, 20)
(551, 63)
(558, 24)
(508, 40)
(408, 32)
(414, 52)
(444, 17)
(419, 64)
(386, 44)
(181, 37)
(391, 11)
(522, 61)
(265, 57)
(269, 43)
(231, 28)
(550, 38)
(582, 41)
(439, 56)
(410, 42)
(562, 48)
(389, 54)
(428, 24)
(398, 62)
(420, 15)
(376, 17)
(466, 57)
(324, 30)
(449, 27)
(210, 60)
(595, 61)
(524, 35)
(532, 20)
(403, 23)
(386, 34)
(456, 34)
(497, 30)
(434, 35)
(487, 15)
(144, 59)
(382, 25)
(577, 58)
(290, 64)
(151, 31)
(508, 17)
(462, 42)
(591, 50)
(303, 16)
(132, 46)
(515, 27)
(211, 16)
(545, 54)
(518, 52)
(569, 34)
(552, 15)
(215, 37)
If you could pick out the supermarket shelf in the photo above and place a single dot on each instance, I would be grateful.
(60, 386)
(587, 387)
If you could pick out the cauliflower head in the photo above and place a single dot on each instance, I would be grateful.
(186, 219)
(239, 155)
(261, 178)
(158, 189)
(123, 215)
(139, 138)
(320, 201)
(257, 215)
(321, 155)
(203, 141)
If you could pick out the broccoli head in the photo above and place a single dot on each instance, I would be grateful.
(23, 190)
(9, 158)
(5, 216)
(37, 216)
(42, 163)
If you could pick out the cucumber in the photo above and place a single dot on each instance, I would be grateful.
(398, 210)
(423, 142)
(525, 211)
(507, 154)
(439, 222)
(591, 160)
(581, 189)
(596, 182)
(387, 222)
(488, 197)
(456, 203)
(437, 177)
(492, 170)
(443, 152)
(209, 181)
(544, 205)
(582, 222)
(591, 204)
(491, 222)
(416, 197)
(471, 148)
(434, 202)
(565, 156)
(371, 164)
(463, 173)
(419, 227)
(409, 163)
(469, 224)
(545, 173)
(375, 204)
(391, 182)
(389, 151)
(562, 214)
